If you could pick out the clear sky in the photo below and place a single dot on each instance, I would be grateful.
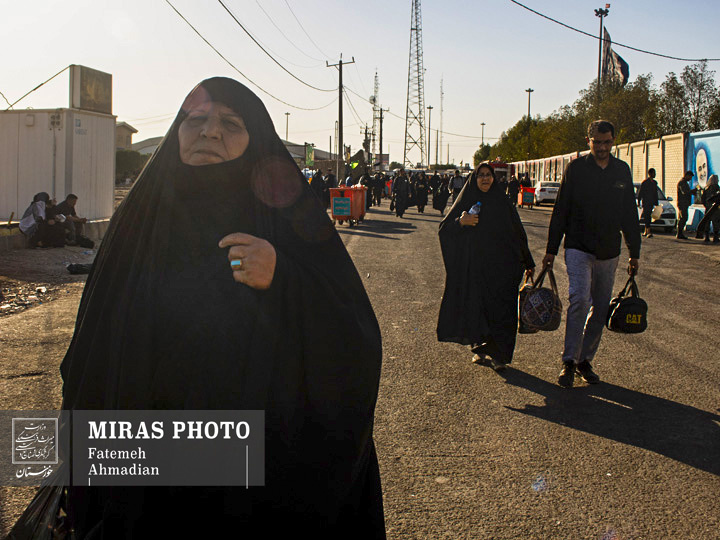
(487, 52)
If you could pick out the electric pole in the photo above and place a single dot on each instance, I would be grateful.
(430, 108)
(287, 120)
(529, 91)
(339, 65)
(381, 136)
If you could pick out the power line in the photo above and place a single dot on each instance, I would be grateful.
(270, 55)
(615, 42)
(38, 86)
(240, 72)
(287, 38)
(303, 29)
(6, 99)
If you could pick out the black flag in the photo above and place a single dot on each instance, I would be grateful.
(613, 66)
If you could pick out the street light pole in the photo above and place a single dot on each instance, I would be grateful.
(287, 120)
(529, 91)
(483, 134)
(600, 13)
(430, 108)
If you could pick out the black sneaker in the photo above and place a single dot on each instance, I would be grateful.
(567, 375)
(585, 371)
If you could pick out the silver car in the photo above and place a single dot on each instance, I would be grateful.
(668, 218)
(546, 192)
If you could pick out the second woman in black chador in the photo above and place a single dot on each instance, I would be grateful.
(485, 255)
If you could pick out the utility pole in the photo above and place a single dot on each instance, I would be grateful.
(529, 91)
(381, 136)
(483, 135)
(339, 65)
(600, 13)
(430, 108)
(287, 119)
(437, 135)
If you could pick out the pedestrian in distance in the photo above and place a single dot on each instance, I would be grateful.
(401, 193)
(213, 289)
(596, 201)
(441, 195)
(648, 198)
(485, 252)
(456, 184)
(684, 200)
(421, 192)
(513, 189)
(710, 198)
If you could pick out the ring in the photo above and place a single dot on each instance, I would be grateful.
(236, 264)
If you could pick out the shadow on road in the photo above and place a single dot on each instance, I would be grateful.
(680, 432)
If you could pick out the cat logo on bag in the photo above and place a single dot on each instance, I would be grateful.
(633, 318)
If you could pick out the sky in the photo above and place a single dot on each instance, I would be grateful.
(485, 52)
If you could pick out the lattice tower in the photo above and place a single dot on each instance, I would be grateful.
(415, 110)
(375, 100)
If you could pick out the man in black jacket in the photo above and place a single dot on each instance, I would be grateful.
(684, 200)
(596, 201)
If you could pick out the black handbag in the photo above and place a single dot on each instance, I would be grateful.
(524, 290)
(542, 308)
(627, 313)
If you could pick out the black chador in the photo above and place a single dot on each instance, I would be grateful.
(484, 265)
(163, 325)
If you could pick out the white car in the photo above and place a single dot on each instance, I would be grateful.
(668, 218)
(546, 192)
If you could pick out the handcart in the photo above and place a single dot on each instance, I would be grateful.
(348, 204)
(526, 197)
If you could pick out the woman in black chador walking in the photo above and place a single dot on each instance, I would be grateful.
(485, 251)
(214, 288)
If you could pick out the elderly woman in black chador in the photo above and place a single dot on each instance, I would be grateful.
(215, 288)
(485, 251)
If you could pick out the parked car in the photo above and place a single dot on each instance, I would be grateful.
(546, 192)
(668, 219)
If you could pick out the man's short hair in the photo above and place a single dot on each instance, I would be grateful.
(600, 126)
(457, 171)
(71, 197)
(651, 172)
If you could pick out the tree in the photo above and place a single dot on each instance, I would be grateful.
(672, 106)
(129, 163)
(700, 93)
(395, 165)
(481, 154)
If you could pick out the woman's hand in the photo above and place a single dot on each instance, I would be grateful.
(529, 272)
(468, 220)
(252, 259)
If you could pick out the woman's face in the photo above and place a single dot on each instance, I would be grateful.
(484, 179)
(212, 133)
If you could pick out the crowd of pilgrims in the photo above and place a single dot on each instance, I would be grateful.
(405, 191)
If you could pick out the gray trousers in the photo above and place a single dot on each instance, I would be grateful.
(591, 283)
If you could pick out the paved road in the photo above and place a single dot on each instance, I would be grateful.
(467, 453)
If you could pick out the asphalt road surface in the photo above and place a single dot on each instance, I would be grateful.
(466, 453)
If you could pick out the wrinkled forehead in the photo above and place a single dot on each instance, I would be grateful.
(200, 100)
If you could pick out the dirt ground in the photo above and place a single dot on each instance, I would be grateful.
(31, 277)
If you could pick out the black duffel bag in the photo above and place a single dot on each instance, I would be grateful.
(627, 313)
(524, 290)
(542, 309)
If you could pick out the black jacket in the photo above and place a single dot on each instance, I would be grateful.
(684, 193)
(592, 207)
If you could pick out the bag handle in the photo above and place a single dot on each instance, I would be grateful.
(539, 281)
(630, 287)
